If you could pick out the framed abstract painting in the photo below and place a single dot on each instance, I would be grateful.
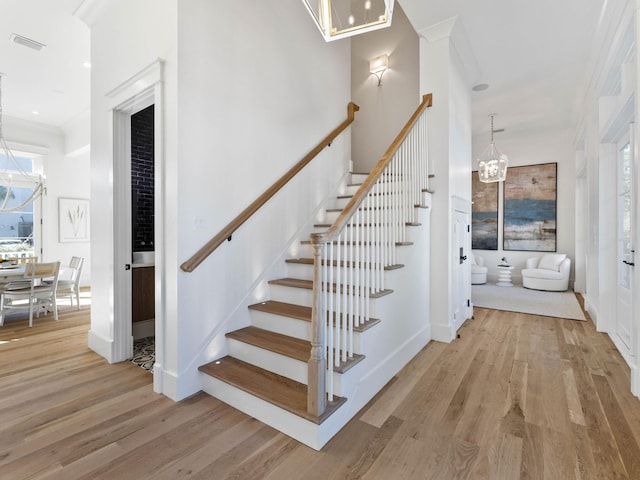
(530, 196)
(484, 214)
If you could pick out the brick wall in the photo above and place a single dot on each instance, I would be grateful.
(142, 180)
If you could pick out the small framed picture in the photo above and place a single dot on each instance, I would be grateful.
(73, 220)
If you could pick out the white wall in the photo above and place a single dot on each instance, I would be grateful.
(126, 37)
(442, 73)
(66, 176)
(250, 88)
(258, 88)
(384, 109)
(535, 148)
(610, 104)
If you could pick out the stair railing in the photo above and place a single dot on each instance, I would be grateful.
(191, 264)
(351, 256)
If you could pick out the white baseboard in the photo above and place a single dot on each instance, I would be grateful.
(101, 345)
(635, 380)
(441, 333)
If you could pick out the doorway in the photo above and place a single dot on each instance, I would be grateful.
(143, 238)
(461, 270)
(139, 92)
(624, 244)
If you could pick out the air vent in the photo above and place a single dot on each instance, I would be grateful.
(26, 42)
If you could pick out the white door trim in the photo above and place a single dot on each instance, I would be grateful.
(141, 90)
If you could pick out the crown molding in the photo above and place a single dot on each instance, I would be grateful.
(90, 10)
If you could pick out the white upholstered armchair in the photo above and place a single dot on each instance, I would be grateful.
(478, 270)
(548, 272)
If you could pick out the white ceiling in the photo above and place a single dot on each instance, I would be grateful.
(533, 54)
(52, 81)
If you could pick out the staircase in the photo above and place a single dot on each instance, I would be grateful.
(265, 374)
(351, 311)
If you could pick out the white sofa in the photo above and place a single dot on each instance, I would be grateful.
(478, 270)
(548, 272)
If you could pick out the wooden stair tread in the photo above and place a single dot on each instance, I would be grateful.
(290, 310)
(291, 347)
(361, 225)
(309, 261)
(347, 195)
(338, 209)
(308, 285)
(300, 312)
(397, 244)
(293, 282)
(271, 387)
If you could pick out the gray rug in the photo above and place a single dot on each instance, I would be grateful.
(523, 300)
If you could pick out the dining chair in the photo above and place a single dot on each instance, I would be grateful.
(69, 281)
(38, 295)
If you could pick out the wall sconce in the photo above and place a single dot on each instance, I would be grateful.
(379, 65)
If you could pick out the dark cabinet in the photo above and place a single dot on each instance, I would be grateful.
(143, 295)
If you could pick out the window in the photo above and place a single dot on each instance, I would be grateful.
(17, 226)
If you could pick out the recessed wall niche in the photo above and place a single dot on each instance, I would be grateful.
(142, 176)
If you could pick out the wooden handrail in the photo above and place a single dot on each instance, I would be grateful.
(191, 264)
(342, 220)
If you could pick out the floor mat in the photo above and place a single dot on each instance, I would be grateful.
(144, 352)
(524, 300)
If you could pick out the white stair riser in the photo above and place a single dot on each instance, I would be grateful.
(367, 252)
(341, 202)
(274, 362)
(297, 296)
(291, 326)
(280, 324)
(301, 271)
(361, 233)
(351, 189)
(358, 177)
(305, 272)
(328, 217)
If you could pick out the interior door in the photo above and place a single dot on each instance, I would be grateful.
(461, 268)
(625, 257)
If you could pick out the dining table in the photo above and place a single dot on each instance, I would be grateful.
(10, 273)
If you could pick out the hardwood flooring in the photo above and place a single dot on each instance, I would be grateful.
(515, 397)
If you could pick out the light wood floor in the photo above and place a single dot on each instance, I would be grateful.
(517, 396)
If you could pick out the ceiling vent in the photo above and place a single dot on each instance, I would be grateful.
(27, 42)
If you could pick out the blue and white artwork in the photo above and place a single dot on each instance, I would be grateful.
(484, 214)
(530, 208)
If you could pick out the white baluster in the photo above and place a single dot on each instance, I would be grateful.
(327, 278)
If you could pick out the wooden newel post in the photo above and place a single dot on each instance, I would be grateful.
(316, 393)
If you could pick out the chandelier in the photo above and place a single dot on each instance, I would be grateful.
(13, 176)
(492, 164)
(342, 18)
